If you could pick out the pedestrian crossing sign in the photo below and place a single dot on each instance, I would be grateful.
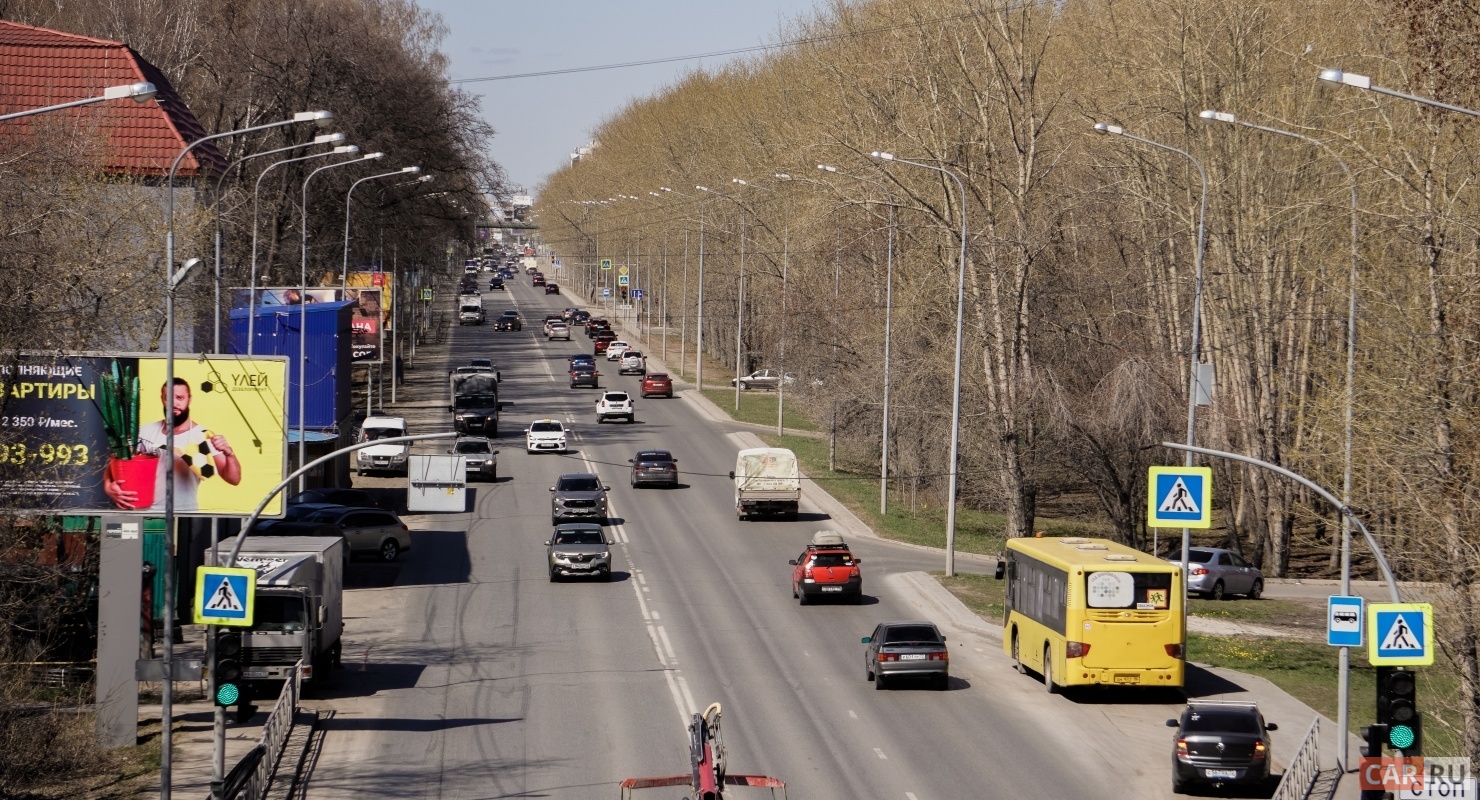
(225, 596)
(1402, 634)
(1179, 497)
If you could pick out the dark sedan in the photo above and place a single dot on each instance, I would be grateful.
(654, 467)
(1218, 743)
(584, 375)
(552, 288)
(509, 321)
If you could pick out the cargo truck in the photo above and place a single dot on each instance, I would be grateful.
(470, 309)
(299, 614)
(473, 400)
(767, 481)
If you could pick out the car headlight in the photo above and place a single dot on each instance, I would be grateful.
(605, 554)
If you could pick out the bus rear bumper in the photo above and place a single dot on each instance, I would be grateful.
(1121, 677)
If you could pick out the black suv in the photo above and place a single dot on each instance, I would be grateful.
(509, 321)
(1218, 743)
(496, 282)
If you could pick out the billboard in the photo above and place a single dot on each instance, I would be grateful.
(84, 434)
(366, 325)
(371, 316)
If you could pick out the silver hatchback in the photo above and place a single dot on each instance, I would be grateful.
(1216, 573)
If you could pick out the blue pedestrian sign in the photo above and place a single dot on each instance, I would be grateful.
(225, 596)
(1402, 634)
(1179, 497)
(1344, 621)
(637, 293)
(622, 280)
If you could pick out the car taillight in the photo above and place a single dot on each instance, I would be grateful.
(807, 572)
(1259, 750)
(888, 656)
(1076, 650)
(1182, 747)
(404, 528)
(941, 656)
(1199, 571)
(1174, 650)
(853, 572)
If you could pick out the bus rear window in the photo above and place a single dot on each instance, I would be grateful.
(1144, 590)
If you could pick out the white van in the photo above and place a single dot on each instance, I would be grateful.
(391, 458)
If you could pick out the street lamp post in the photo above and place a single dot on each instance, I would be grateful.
(348, 196)
(956, 387)
(699, 321)
(1192, 352)
(303, 310)
(781, 336)
(888, 316)
(683, 325)
(172, 280)
(347, 149)
(1348, 432)
(396, 301)
(141, 92)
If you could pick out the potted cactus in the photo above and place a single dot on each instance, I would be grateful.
(118, 400)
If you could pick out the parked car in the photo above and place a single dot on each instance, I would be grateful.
(826, 567)
(295, 513)
(654, 467)
(1220, 743)
(584, 375)
(557, 330)
(545, 435)
(657, 383)
(329, 495)
(1216, 573)
(615, 405)
(632, 363)
(509, 321)
(578, 495)
(578, 548)
(479, 457)
(906, 650)
(368, 530)
(763, 379)
(552, 288)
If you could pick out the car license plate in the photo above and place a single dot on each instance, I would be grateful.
(1220, 773)
(832, 588)
(254, 673)
(912, 657)
(580, 566)
(1127, 679)
(382, 460)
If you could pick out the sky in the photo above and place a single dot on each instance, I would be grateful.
(539, 121)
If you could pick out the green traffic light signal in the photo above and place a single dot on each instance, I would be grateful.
(227, 694)
(1401, 736)
(227, 669)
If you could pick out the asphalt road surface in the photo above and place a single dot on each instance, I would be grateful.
(474, 676)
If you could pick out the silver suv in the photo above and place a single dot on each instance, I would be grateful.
(578, 549)
(578, 495)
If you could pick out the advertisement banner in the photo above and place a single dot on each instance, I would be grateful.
(386, 282)
(85, 434)
(366, 324)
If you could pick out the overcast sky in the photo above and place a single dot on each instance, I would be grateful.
(540, 120)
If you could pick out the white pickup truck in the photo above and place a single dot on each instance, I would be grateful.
(767, 481)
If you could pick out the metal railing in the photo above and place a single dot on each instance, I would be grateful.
(249, 779)
(1302, 771)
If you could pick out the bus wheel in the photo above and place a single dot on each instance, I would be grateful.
(1048, 671)
(1017, 661)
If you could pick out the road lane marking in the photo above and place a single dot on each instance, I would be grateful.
(657, 646)
(910, 796)
(667, 645)
(880, 754)
(673, 689)
(641, 602)
(852, 713)
(641, 579)
(545, 362)
(683, 686)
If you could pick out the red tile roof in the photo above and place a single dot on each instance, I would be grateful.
(41, 67)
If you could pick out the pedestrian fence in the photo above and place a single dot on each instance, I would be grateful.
(249, 779)
(1303, 770)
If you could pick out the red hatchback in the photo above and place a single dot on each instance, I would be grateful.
(657, 383)
(826, 567)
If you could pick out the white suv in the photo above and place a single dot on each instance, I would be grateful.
(544, 434)
(557, 330)
(615, 349)
(615, 405)
(632, 362)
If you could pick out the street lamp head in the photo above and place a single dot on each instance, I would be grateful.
(665, 188)
(412, 170)
(1103, 127)
(1348, 78)
(701, 188)
(328, 138)
(882, 156)
(376, 156)
(425, 178)
(321, 118)
(142, 92)
(1218, 116)
(826, 168)
(347, 148)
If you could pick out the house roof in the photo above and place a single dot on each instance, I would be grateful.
(41, 67)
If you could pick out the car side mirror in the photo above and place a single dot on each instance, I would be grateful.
(610, 542)
(630, 461)
(864, 640)
(857, 561)
(1001, 570)
(942, 638)
(1271, 727)
(792, 562)
(552, 488)
(549, 542)
(732, 474)
(495, 452)
(1171, 723)
(606, 488)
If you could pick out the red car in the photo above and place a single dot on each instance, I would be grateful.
(657, 383)
(826, 567)
(603, 340)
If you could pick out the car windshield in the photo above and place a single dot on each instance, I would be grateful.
(1199, 556)
(476, 400)
(899, 634)
(656, 376)
(511, 313)
(589, 536)
(480, 362)
(832, 560)
(579, 483)
(472, 447)
(1218, 720)
(374, 434)
(546, 427)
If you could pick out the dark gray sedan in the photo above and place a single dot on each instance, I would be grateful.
(899, 650)
(578, 495)
(578, 549)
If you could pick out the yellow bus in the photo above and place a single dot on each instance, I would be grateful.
(1091, 611)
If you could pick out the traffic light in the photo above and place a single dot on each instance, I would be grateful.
(227, 668)
(1397, 708)
(1375, 737)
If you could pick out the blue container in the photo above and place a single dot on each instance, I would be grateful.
(327, 394)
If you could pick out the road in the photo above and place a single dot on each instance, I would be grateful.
(473, 676)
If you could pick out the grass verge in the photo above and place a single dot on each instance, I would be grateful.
(759, 408)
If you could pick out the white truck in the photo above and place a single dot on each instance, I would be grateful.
(767, 481)
(299, 613)
(470, 309)
(382, 457)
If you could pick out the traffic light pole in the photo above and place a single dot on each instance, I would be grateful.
(1343, 675)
